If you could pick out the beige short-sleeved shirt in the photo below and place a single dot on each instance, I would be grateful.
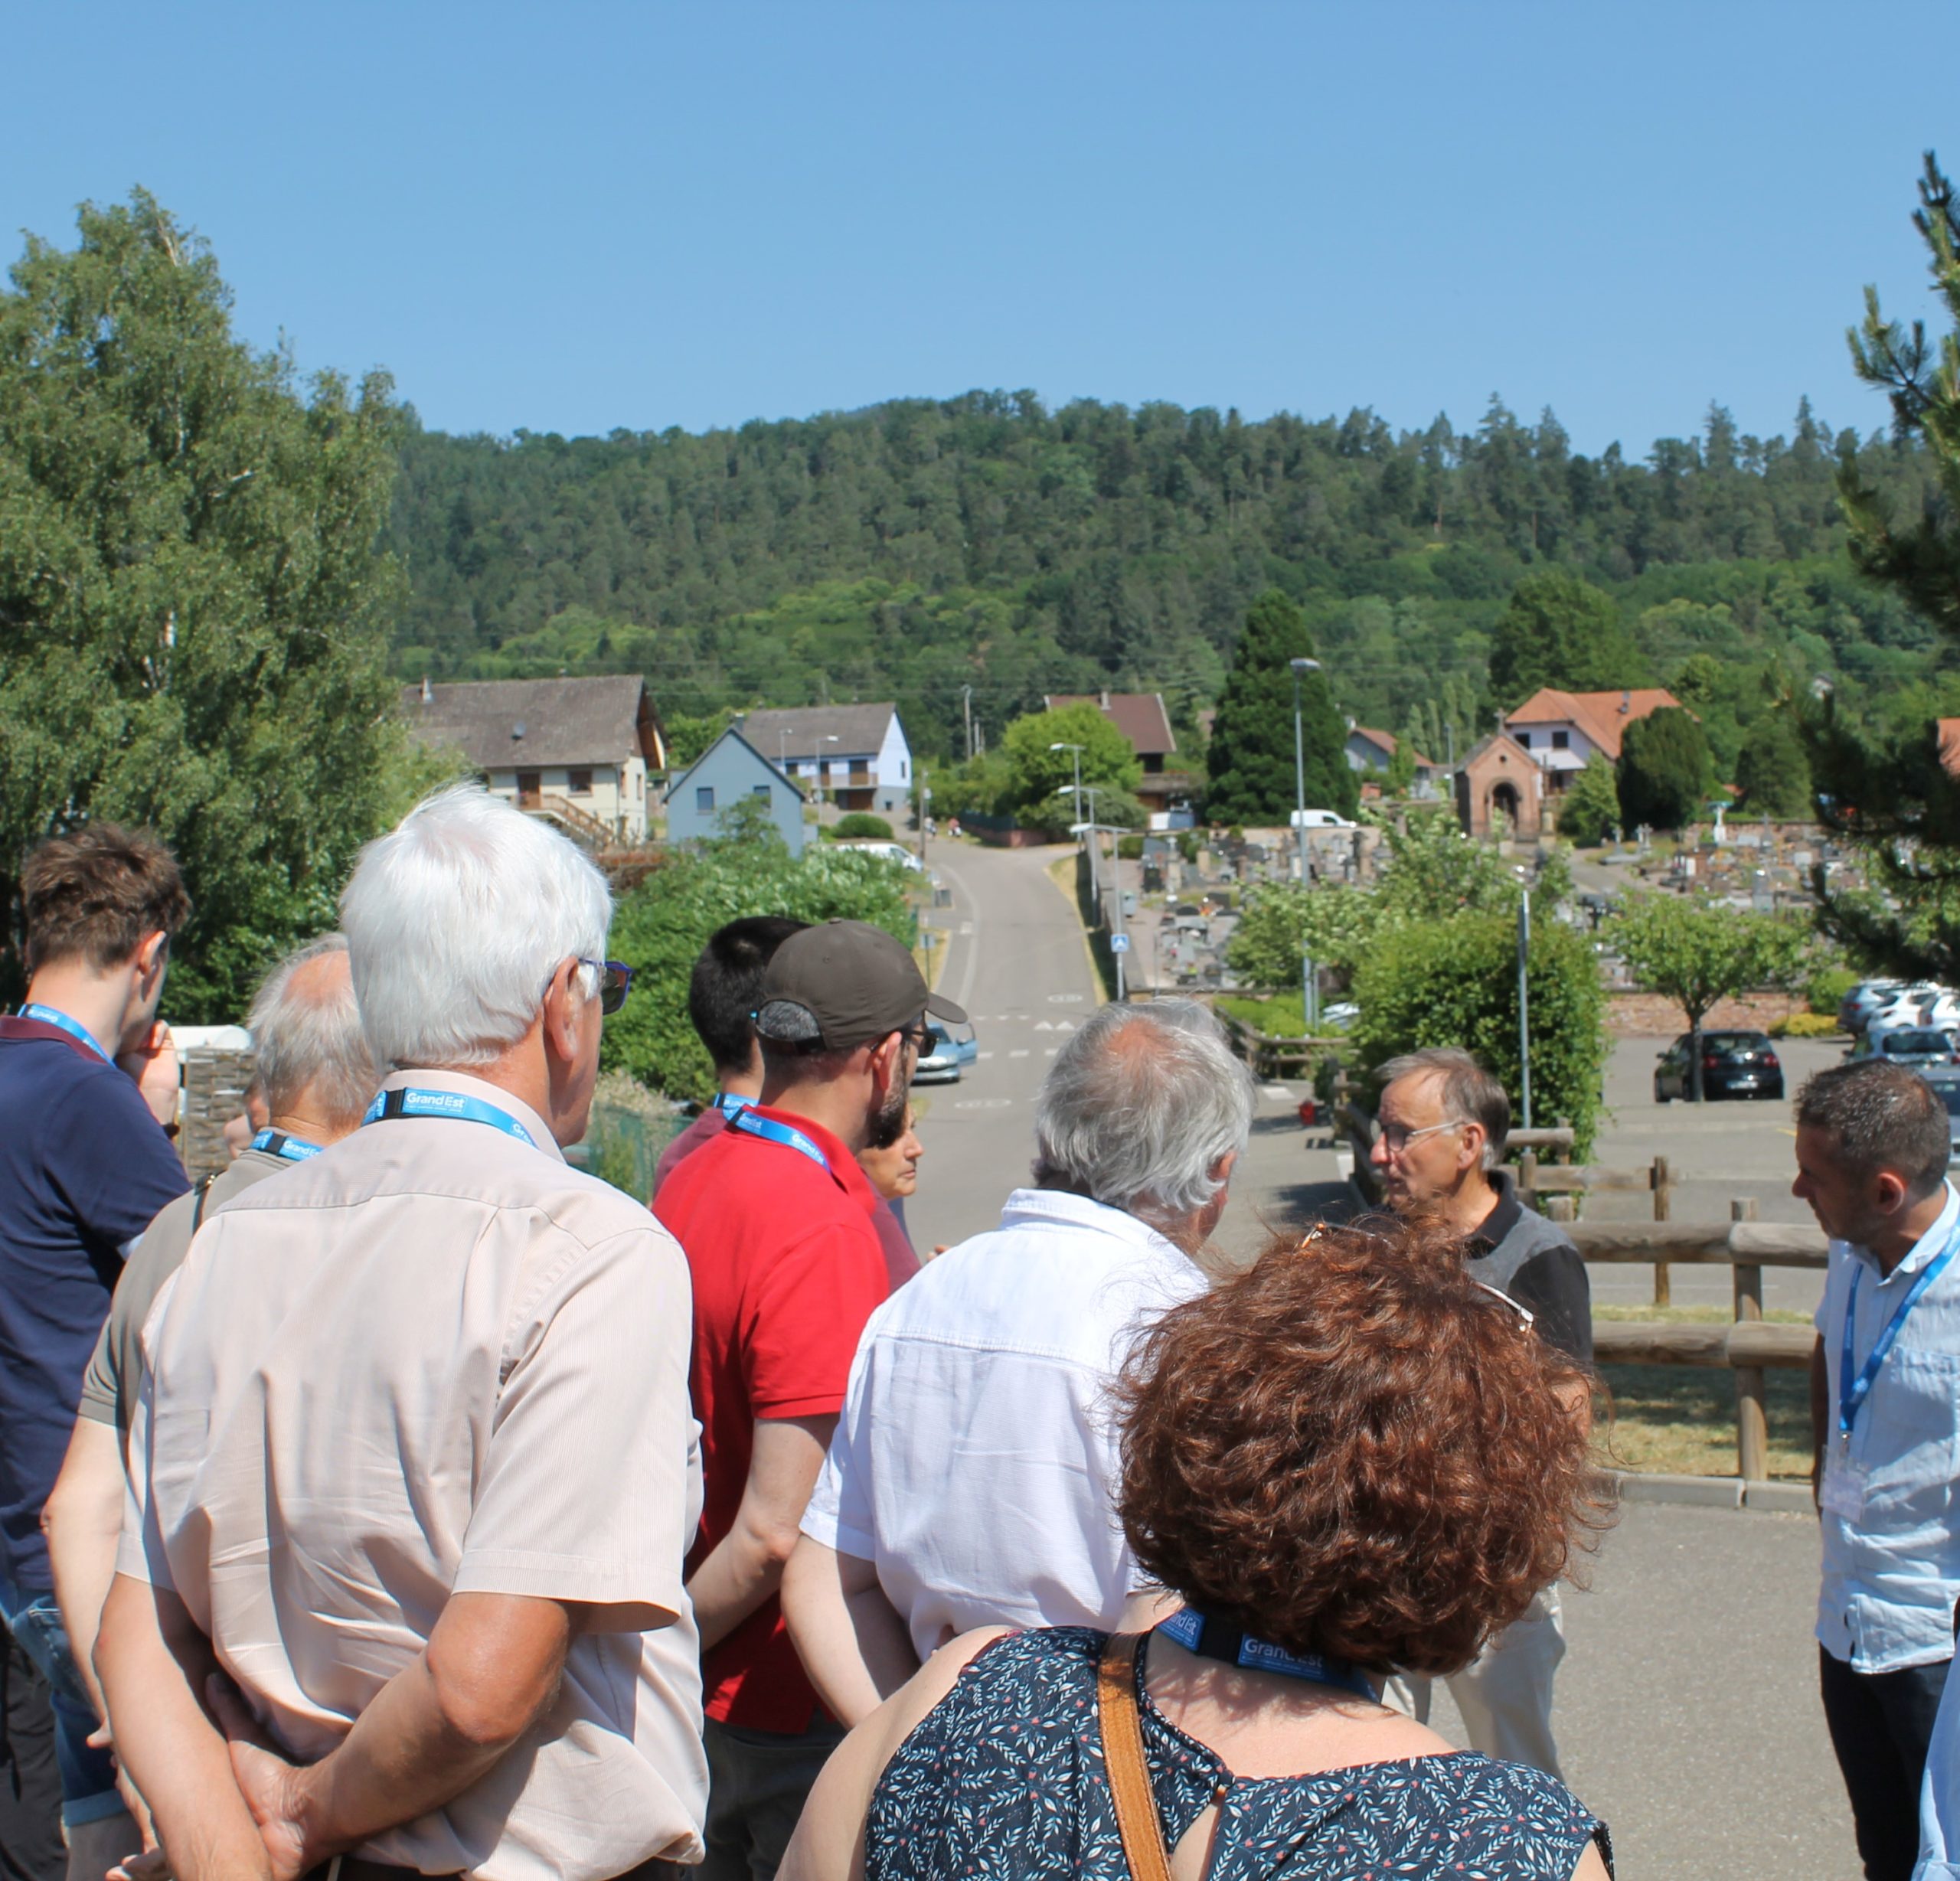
(109, 1386)
(434, 1360)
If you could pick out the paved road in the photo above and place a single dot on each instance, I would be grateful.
(1017, 962)
(1687, 1709)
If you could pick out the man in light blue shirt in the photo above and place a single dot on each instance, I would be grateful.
(1872, 1149)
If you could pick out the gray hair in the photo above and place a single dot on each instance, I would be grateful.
(1138, 1108)
(1470, 1094)
(458, 918)
(1879, 1116)
(303, 1038)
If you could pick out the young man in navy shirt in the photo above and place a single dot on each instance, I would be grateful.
(88, 1096)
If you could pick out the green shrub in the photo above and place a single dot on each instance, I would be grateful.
(660, 927)
(1804, 1025)
(1130, 848)
(1454, 981)
(861, 826)
(1824, 992)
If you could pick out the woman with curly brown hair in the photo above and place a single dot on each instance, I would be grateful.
(1350, 1459)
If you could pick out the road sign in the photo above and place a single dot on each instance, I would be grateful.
(1119, 943)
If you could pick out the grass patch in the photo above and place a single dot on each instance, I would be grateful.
(1279, 1017)
(1682, 1419)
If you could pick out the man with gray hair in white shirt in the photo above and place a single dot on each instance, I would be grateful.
(970, 1479)
(413, 1461)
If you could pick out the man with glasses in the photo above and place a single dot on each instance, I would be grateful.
(413, 1459)
(775, 1217)
(1442, 1122)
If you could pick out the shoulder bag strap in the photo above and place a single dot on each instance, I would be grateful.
(1123, 1757)
(203, 1195)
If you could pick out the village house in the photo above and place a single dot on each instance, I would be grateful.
(854, 754)
(1563, 729)
(1500, 790)
(576, 751)
(1370, 750)
(1142, 718)
(732, 771)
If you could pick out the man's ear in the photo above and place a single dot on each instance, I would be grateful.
(1220, 1172)
(149, 953)
(1889, 1191)
(560, 1012)
(1470, 1148)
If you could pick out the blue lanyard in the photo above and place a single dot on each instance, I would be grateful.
(771, 1131)
(451, 1104)
(1216, 1639)
(729, 1104)
(1853, 1392)
(73, 1027)
(291, 1149)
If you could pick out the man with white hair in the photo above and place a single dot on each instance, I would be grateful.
(413, 1459)
(1443, 1121)
(970, 1476)
(318, 1079)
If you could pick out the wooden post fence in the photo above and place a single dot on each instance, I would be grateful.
(1752, 1388)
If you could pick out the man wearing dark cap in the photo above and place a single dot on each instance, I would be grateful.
(776, 1218)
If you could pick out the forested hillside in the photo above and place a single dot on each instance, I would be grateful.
(921, 547)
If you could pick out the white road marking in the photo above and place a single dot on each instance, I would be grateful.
(983, 1103)
(1064, 999)
(986, 1054)
(1064, 1025)
(1278, 1092)
(1042, 1025)
(1051, 1051)
(1019, 1054)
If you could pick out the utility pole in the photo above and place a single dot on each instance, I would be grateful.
(966, 713)
(1302, 667)
(1524, 1005)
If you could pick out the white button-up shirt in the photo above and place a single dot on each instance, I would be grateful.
(1892, 1570)
(434, 1360)
(975, 1460)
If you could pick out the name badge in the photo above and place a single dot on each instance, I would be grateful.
(1843, 1494)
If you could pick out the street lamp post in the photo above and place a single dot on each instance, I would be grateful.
(1077, 750)
(1302, 667)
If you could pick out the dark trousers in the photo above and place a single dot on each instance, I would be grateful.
(1880, 1724)
(757, 1784)
(31, 1846)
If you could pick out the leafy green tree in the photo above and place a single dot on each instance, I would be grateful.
(1252, 755)
(861, 825)
(1559, 630)
(660, 927)
(1591, 804)
(1038, 773)
(1666, 772)
(192, 606)
(1455, 982)
(1696, 953)
(1401, 770)
(1773, 773)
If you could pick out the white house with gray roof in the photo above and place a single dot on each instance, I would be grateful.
(578, 751)
(855, 754)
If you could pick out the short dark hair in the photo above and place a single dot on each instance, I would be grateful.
(726, 984)
(1470, 1094)
(1353, 1449)
(1880, 1116)
(98, 893)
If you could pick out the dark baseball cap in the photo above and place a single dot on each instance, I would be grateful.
(855, 981)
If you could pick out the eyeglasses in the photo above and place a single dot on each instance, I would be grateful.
(1396, 1138)
(918, 1036)
(615, 981)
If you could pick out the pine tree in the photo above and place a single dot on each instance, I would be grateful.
(1772, 773)
(1252, 744)
(1900, 801)
(1665, 770)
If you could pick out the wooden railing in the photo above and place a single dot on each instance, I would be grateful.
(1274, 1057)
(1747, 1345)
(1657, 1179)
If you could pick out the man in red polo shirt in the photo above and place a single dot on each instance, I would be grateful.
(776, 1218)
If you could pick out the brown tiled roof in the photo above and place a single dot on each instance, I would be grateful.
(1140, 716)
(1602, 715)
(499, 723)
(1385, 742)
(859, 730)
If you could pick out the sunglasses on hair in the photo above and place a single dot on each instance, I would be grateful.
(615, 981)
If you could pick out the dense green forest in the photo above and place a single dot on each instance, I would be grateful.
(920, 548)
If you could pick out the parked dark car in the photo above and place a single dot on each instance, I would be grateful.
(1733, 1064)
(1949, 1088)
(1921, 1047)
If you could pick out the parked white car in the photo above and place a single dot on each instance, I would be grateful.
(890, 852)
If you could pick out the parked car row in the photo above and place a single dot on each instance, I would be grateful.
(1884, 1004)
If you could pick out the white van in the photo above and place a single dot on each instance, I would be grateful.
(1317, 819)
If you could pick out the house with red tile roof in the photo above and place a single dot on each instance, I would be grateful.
(1562, 730)
(1142, 718)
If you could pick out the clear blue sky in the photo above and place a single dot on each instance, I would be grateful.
(577, 217)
